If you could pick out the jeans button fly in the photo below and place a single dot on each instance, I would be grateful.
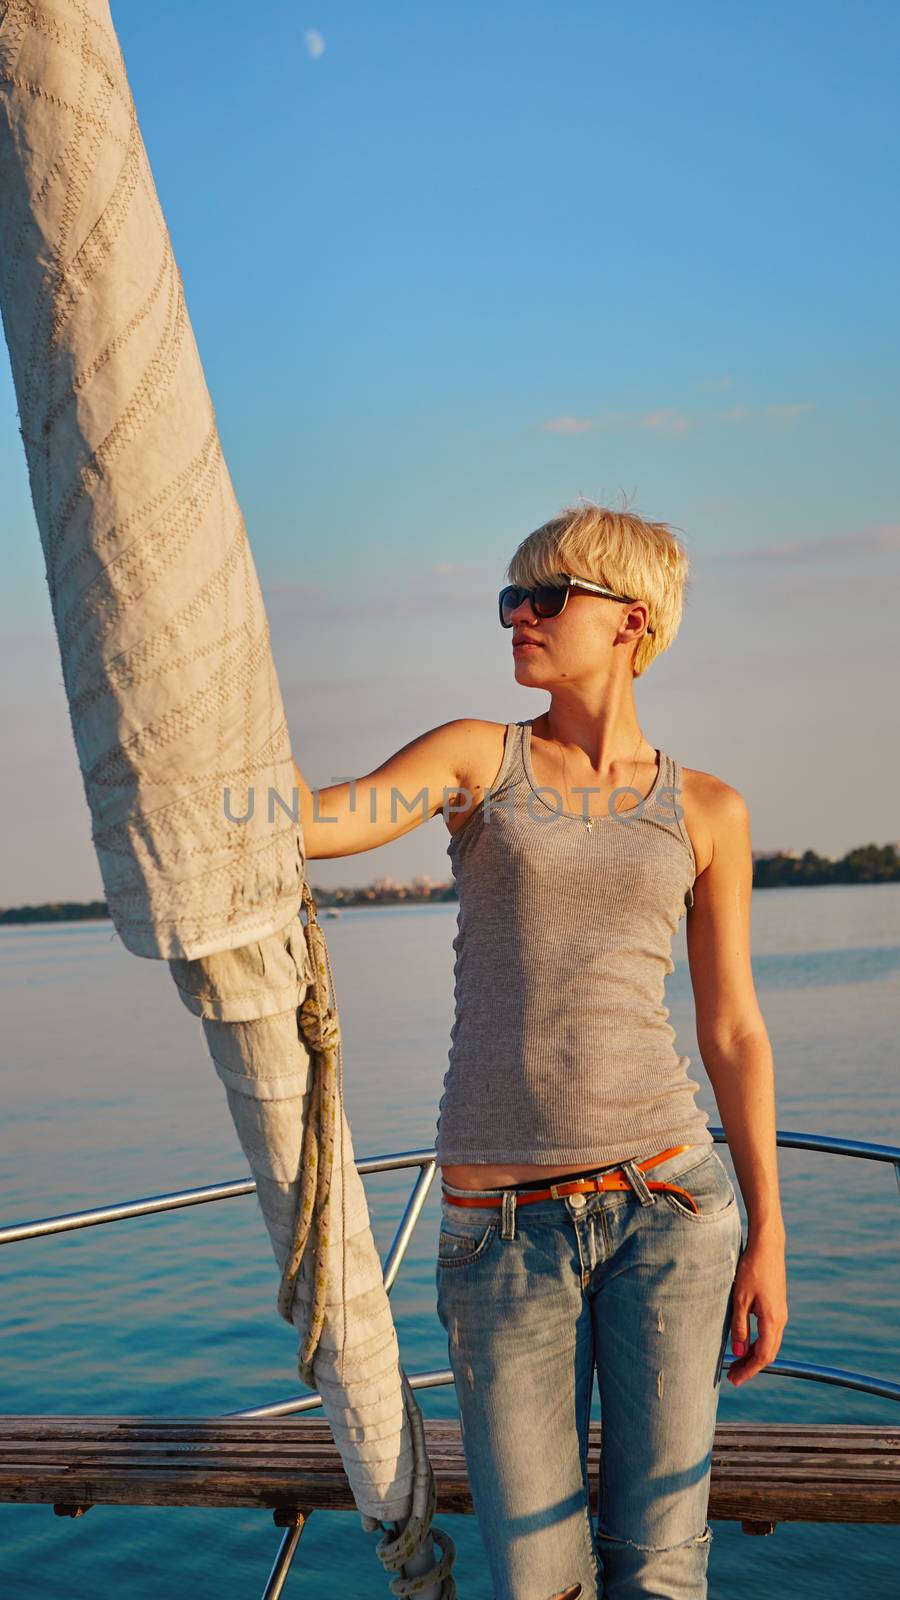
(576, 1201)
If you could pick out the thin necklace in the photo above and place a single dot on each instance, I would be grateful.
(589, 821)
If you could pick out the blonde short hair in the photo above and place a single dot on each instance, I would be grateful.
(620, 550)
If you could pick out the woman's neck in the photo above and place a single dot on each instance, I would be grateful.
(606, 734)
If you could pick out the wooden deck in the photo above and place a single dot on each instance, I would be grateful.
(761, 1474)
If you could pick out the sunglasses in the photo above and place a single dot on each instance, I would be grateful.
(549, 599)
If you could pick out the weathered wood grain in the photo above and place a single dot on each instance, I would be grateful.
(762, 1474)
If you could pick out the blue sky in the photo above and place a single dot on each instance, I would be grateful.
(450, 268)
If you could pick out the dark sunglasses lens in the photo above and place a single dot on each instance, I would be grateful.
(510, 600)
(548, 599)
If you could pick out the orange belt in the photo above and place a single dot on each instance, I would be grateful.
(613, 1178)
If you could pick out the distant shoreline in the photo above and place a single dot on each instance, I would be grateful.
(870, 863)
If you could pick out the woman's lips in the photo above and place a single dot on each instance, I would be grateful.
(527, 644)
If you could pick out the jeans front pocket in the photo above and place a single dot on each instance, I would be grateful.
(459, 1249)
(709, 1186)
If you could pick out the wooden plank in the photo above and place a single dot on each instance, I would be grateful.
(761, 1474)
(809, 1503)
(128, 1434)
(873, 1486)
(736, 1434)
(36, 1459)
(130, 1437)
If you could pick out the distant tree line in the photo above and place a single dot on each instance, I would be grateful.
(57, 911)
(868, 863)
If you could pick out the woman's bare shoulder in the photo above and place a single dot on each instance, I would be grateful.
(708, 802)
(481, 745)
(707, 783)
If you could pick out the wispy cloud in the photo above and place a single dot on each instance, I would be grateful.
(315, 44)
(786, 413)
(568, 425)
(714, 385)
(320, 605)
(672, 422)
(776, 413)
(880, 540)
(663, 420)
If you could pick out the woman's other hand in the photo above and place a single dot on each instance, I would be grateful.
(760, 1288)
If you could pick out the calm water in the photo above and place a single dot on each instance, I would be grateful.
(108, 1093)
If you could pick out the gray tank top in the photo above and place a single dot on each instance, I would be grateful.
(561, 1049)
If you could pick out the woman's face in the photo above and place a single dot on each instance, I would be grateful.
(576, 644)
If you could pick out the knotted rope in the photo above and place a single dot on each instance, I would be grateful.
(318, 1022)
(320, 1027)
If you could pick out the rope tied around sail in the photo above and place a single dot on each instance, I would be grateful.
(318, 1023)
(320, 1027)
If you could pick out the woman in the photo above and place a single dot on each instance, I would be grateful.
(587, 1219)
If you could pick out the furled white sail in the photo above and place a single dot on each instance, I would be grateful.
(166, 661)
(162, 630)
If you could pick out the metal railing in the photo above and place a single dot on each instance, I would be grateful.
(425, 1161)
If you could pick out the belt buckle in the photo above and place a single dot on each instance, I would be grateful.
(592, 1185)
(559, 1191)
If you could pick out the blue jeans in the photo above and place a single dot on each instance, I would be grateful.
(532, 1298)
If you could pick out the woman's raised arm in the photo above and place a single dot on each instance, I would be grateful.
(409, 788)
